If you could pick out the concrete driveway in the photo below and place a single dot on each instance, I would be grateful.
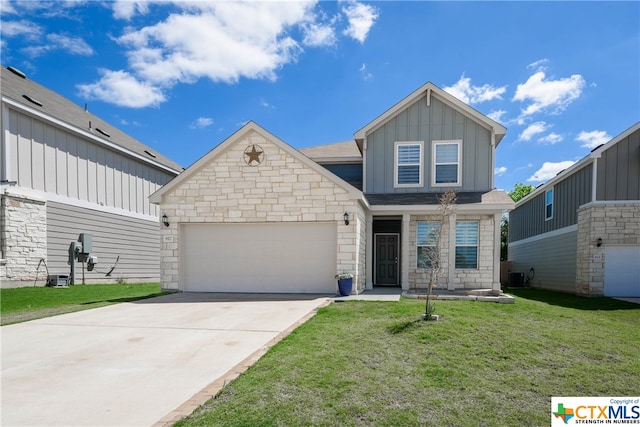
(134, 364)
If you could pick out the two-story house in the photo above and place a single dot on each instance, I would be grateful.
(256, 215)
(65, 172)
(580, 231)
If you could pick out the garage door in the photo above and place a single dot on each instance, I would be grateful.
(622, 271)
(265, 258)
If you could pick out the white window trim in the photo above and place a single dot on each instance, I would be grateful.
(553, 196)
(395, 164)
(458, 182)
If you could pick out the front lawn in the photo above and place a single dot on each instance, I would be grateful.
(374, 363)
(28, 303)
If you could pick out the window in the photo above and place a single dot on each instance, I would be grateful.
(428, 234)
(408, 164)
(467, 244)
(446, 163)
(548, 204)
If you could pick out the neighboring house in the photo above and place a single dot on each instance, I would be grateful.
(580, 232)
(256, 215)
(64, 172)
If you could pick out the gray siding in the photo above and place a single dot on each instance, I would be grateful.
(419, 122)
(553, 259)
(619, 170)
(46, 158)
(570, 193)
(136, 241)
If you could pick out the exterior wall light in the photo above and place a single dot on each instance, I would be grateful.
(346, 218)
(165, 220)
(599, 242)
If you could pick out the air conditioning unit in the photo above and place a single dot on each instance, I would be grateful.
(58, 280)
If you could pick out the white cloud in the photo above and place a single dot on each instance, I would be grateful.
(552, 138)
(497, 115)
(361, 18)
(225, 41)
(499, 171)
(551, 96)
(121, 88)
(54, 42)
(539, 65)
(549, 170)
(201, 123)
(532, 130)
(125, 9)
(469, 94)
(366, 75)
(593, 138)
(23, 27)
(316, 35)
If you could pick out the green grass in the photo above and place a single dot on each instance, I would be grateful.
(28, 303)
(482, 364)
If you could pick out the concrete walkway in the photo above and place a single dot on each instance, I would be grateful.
(133, 364)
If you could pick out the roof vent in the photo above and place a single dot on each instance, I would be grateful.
(17, 72)
(150, 153)
(103, 132)
(33, 100)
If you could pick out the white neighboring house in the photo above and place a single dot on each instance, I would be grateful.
(63, 172)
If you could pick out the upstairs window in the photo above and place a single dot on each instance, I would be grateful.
(548, 204)
(446, 163)
(408, 164)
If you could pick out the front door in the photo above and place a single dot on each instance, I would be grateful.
(387, 252)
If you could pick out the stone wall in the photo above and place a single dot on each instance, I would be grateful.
(482, 277)
(281, 189)
(24, 240)
(616, 223)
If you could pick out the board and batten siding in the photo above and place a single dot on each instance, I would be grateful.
(553, 258)
(619, 170)
(46, 158)
(419, 122)
(136, 241)
(528, 219)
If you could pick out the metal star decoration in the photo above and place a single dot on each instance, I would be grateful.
(253, 153)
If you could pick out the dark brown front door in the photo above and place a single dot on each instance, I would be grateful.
(386, 262)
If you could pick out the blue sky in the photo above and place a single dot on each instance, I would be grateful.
(181, 76)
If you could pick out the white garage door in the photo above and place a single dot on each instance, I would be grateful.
(622, 271)
(265, 258)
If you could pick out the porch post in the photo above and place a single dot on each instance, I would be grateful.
(369, 254)
(404, 254)
(496, 251)
(451, 280)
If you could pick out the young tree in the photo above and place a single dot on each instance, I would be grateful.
(433, 251)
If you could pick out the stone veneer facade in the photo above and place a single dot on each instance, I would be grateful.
(616, 223)
(24, 243)
(281, 189)
(482, 277)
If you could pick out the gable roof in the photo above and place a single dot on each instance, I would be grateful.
(35, 99)
(596, 153)
(338, 152)
(233, 139)
(432, 90)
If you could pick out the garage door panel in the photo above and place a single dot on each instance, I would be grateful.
(290, 258)
(622, 271)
